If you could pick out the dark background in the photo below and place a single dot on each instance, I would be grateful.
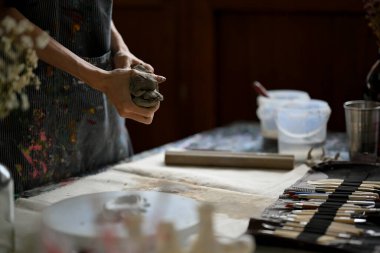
(211, 51)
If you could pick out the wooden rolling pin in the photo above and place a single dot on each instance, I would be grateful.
(229, 159)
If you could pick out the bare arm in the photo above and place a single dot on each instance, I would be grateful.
(123, 58)
(59, 56)
(115, 83)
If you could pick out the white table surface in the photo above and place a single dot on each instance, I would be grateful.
(236, 194)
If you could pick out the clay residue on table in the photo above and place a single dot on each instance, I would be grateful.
(236, 205)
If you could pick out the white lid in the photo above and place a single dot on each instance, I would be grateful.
(5, 176)
(77, 219)
(280, 96)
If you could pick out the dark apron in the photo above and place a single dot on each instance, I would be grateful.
(70, 129)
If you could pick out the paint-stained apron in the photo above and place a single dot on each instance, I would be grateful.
(70, 128)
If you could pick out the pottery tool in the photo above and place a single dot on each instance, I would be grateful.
(333, 226)
(373, 217)
(260, 89)
(338, 182)
(329, 212)
(294, 234)
(339, 234)
(342, 210)
(249, 160)
(329, 188)
(316, 205)
(347, 220)
(291, 227)
(338, 202)
(325, 196)
(323, 239)
(337, 193)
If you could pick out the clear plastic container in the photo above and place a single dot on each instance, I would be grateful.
(267, 108)
(6, 212)
(302, 125)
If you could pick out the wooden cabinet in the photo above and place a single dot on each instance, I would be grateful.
(211, 51)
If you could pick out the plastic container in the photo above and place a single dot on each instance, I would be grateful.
(302, 125)
(6, 212)
(267, 108)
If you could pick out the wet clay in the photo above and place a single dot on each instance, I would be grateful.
(144, 88)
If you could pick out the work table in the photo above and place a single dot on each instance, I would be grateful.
(236, 194)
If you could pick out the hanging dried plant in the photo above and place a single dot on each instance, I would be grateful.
(18, 59)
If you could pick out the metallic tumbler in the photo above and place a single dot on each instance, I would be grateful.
(362, 125)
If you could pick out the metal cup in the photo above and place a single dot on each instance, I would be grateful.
(362, 125)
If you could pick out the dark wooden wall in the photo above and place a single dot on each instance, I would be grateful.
(211, 51)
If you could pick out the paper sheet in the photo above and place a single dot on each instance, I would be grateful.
(257, 181)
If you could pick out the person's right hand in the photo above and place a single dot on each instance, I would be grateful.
(115, 84)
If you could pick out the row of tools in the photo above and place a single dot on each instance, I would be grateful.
(330, 211)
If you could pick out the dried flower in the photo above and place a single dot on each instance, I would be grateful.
(18, 59)
(372, 8)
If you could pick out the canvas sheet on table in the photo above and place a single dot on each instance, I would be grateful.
(265, 182)
(253, 190)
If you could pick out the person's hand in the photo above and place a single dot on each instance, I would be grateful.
(144, 88)
(115, 84)
(126, 60)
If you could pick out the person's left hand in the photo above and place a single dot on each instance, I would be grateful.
(125, 59)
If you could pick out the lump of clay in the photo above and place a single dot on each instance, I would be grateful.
(144, 88)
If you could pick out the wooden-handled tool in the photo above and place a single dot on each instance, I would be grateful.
(229, 159)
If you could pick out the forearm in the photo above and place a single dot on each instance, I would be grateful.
(117, 42)
(60, 57)
(123, 58)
